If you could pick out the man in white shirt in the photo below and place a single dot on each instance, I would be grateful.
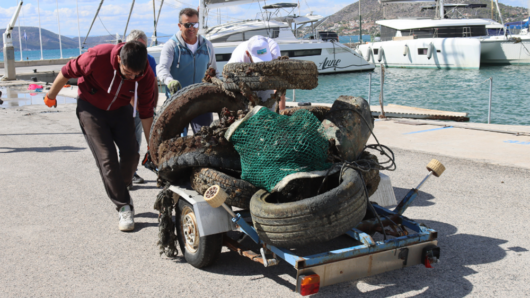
(258, 49)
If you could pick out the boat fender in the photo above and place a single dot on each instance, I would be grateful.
(429, 51)
(368, 54)
(405, 50)
(380, 55)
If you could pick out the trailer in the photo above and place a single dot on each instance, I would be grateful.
(201, 225)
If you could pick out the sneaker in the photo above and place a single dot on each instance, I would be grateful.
(137, 179)
(126, 219)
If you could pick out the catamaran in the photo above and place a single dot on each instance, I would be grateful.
(445, 43)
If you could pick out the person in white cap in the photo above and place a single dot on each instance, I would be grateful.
(258, 49)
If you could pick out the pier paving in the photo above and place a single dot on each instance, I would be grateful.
(59, 233)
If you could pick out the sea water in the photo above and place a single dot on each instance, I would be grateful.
(48, 54)
(448, 90)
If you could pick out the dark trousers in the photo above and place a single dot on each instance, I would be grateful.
(103, 131)
(200, 121)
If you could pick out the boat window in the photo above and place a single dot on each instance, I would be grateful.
(302, 53)
(222, 57)
(235, 37)
(388, 33)
(422, 51)
(376, 51)
(271, 32)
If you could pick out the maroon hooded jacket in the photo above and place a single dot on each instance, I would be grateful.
(101, 84)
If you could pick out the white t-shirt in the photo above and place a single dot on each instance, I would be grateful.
(193, 47)
(240, 55)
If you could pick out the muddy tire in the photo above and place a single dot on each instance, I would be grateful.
(198, 251)
(239, 191)
(319, 111)
(316, 219)
(371, 178)
(180, 155)
(188, 103)
(272, 75)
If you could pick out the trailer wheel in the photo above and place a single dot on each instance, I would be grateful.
(198, 251)
(271, 75)
(316, 219)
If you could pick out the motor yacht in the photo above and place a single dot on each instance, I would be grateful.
(329, 55)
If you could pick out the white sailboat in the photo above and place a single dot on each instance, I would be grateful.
(329, 56)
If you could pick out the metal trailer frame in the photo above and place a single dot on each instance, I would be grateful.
(368, 258)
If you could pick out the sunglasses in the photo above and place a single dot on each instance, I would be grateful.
(189, 25)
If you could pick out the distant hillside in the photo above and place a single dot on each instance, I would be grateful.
(50, 40)
(372, 10)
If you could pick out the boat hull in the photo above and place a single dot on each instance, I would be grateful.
(329, 57)
(502, 50)
(439, 53)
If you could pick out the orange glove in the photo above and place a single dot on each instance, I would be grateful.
(50, 102)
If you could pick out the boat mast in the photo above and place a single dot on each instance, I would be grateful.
(89, 29)
(40, 35)
(127, 25)
(59, 25)
(78, 29)
(360, 25)
(442, 14)
(202, 18)
(20, 41)
(499, 11)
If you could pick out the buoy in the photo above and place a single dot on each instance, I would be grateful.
(380, 55)
(405, 50)
(429, 51)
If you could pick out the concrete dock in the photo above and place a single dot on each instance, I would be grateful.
(59, 233)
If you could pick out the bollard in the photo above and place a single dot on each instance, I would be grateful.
(294, 95)
(489, 108)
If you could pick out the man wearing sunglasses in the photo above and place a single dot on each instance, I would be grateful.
(185, 58)
(108, 76)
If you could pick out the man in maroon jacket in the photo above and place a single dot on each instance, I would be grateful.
(109, 75)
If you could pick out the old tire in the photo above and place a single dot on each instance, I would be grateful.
(319, 111)
(316, 219)
(185, 105)
(239, 191)
(272, 75)
(179, 155)
(198, 251)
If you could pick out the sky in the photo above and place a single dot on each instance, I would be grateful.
(113, 14)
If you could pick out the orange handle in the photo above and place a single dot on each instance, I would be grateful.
(50, 102)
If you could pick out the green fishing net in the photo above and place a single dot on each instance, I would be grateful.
(273, 146)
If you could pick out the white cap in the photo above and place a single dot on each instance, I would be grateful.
(258, 47)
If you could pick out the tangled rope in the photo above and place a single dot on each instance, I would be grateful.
(167, 236)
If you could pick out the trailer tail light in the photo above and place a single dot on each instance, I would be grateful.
(430, 255)
(309, 284)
